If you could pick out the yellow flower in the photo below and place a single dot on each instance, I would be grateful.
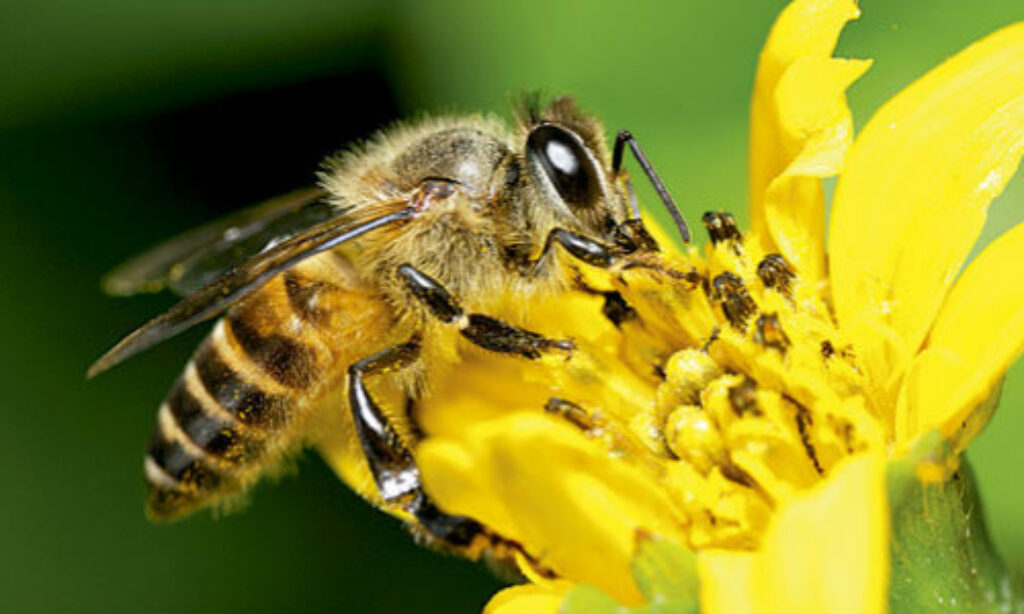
(750, 406)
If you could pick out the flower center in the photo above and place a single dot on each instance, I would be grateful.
(761, 396)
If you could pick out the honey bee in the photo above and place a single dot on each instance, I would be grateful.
(412, 246)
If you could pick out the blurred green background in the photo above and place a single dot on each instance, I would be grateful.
(122, 122)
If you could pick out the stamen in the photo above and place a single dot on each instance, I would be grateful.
(721, 227)
(693, 437)
(725, 420)
(572, 412)
(631, 236)
(737, 305)
(827, 349)
(769, 332)
(777, 274)
(687, 373)
(715, 334)
(616, 309)
(804, 420)
(743, 398)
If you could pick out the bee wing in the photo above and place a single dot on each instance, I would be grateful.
(189, 261)
(219, 294)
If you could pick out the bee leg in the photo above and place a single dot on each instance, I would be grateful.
(487, 332)
(630, 237)
(580, 247)
(391, 463)
(458, 532)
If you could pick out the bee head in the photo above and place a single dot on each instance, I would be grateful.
(566, 159)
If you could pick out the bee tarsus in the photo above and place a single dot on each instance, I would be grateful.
(497, 336)
(451, 530)
(432, 294)
(582, 248)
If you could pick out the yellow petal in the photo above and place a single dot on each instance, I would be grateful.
(539, 481)
(827, 551)
(917, 184)
(726, 582)
(978, 334)
(800, 128)
(529, 599)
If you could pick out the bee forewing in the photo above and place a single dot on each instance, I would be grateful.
(188, 261)
(218, 295)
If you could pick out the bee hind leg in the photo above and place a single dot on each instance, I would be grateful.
(487, 332)
(391, 463)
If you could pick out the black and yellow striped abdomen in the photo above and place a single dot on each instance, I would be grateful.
(245, 397)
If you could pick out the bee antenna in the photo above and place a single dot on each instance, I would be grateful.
(621, 140)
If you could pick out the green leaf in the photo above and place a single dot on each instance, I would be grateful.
(665, 572)
(942, 558)
(586, 599)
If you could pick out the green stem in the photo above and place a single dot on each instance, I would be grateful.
(942, 557)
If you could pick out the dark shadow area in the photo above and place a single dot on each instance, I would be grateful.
(253, 145)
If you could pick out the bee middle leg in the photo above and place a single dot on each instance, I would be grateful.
(391, 463)
(483, 330)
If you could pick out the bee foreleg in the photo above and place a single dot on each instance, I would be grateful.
(630, 237)
(487, 332)
(580, 247)
(391, 463)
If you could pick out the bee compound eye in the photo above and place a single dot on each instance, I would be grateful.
(566, 165)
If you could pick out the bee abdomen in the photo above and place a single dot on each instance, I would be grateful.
(205, 423)
(180, 474)
(289, 361)
(212, 430)
(239, 404)
(234, 393)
